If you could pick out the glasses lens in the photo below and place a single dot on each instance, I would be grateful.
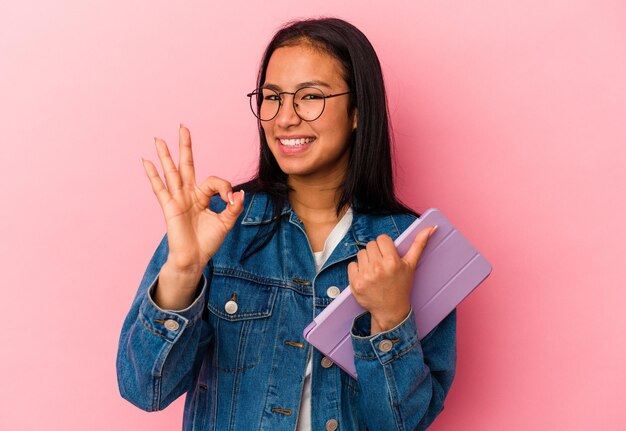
(309, 103)
(264, 103)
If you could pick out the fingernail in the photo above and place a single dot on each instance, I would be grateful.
(243, 195)
(180, 125)
(432, 231)
(230, 198)
(142, 160)
(155, 139)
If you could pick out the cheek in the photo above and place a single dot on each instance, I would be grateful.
(339, 131)
(266, 129)
(269, 138)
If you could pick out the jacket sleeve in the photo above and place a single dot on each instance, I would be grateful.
(403, 382)
(160, 351)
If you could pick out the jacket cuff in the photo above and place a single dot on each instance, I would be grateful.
(384, 346)
(169, 324)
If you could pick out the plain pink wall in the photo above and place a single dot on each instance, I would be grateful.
(509, 116)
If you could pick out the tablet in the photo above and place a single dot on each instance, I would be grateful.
(449, 269)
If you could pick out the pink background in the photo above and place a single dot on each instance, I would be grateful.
(509, 116)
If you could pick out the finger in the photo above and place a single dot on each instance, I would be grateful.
(185, 163)
(373, 252)
(172, 178)
(353, 272)
(419, 243)
(231, 213)
(158, 187)
(362, 258)
(213, 185)
(387, 247)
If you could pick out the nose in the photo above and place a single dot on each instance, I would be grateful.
(287, 115)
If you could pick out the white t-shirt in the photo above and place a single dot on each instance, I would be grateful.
(335, 236)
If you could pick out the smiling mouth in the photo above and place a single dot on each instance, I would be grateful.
(296, 142)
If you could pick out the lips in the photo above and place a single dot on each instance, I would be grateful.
(295, 145)
(295, 142)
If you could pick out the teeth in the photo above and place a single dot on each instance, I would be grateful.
(296, 142)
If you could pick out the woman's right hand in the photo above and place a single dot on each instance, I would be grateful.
(194, 232)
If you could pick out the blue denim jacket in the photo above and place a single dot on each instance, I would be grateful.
(245, 370)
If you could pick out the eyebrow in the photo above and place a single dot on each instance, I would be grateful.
(315, 83)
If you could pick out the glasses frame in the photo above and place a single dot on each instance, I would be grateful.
(293, 101)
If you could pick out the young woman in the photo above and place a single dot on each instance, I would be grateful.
(242, 271)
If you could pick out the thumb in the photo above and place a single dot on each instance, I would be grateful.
(419, 243)
(232, 211)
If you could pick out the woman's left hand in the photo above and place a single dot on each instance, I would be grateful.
(381, 280)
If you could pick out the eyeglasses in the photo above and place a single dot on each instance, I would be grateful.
(308, 102)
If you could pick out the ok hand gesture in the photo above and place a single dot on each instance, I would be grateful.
(194, 232)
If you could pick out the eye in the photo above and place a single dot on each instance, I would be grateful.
(272, 98)
(270, 95)
(312, 96)
(309, 94)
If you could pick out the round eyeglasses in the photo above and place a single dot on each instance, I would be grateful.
(308, 102)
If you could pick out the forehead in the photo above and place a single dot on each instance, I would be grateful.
(290, 66)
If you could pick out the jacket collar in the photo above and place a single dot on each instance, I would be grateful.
(365, 227)
(261, 211)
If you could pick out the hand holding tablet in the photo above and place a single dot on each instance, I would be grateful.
(449, 269)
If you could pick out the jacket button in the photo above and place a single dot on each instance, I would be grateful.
(171, 325)
(231, 307)
(326, 362)
(331, 424)
(385, 345)
(333, 292)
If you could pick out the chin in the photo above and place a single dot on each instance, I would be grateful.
(294, 170)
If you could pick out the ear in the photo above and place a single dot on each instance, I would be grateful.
(354, 119)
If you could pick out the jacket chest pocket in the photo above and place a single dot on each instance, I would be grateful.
(240, 311)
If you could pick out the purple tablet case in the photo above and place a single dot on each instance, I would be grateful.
(449, 269)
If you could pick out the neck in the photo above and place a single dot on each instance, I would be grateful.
(316, 200)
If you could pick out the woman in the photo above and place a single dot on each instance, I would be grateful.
(222, 306)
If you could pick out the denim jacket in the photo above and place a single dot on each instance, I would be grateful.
(243, 366)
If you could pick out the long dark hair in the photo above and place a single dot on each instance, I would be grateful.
(368, 186)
